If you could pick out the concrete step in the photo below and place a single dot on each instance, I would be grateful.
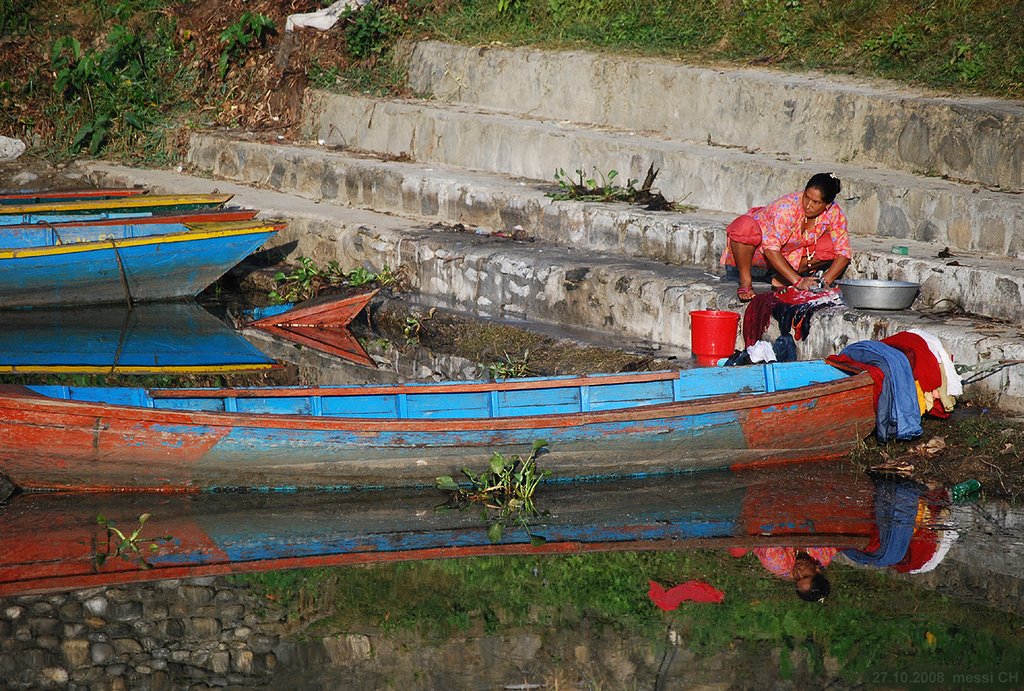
(803, 115)
(967, 282)
(626, 298)
(886, 204)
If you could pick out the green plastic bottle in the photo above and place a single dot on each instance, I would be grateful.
(968, 489)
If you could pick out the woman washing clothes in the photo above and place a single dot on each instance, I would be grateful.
(794, 236)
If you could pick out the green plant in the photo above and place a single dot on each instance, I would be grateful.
(323, 77)
(306, 281)
(590, 189)
(413, 324)
(117, 91)
(511, 367)
(129, 547)
(368, 29)
(250, 30)
(505, 490)
(360, 277)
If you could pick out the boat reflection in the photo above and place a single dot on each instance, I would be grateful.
(150, 338)
(59, 541)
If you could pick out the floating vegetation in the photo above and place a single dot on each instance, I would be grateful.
(131, 547)
(504, 490)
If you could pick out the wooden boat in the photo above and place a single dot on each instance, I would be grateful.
(154, 338)
(321, 324)
(43, 196)
(73, 438)
(52, 541)
(127, 269)
(67, 232)
(127, 207)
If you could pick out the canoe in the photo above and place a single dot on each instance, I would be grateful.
(51, 541)
(67, 232)
(127, 269)
(151, 338)
(283, 438)
(127, 207)
(41, 196)
(321, 324)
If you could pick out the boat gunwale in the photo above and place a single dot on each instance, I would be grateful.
(27, 401)
(193, 232)
(137, 201)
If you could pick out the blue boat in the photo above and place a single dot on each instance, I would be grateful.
(320, 438)
(151, 338)
(37, 269)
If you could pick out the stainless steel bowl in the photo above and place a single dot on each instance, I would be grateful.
(871, 294)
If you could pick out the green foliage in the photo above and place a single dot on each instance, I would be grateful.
(305, 281)
(510, 367)
(597, 188)
(249, 31)
(323, 77)
(413, 324)
(114, 90)
(15, 17)
(369, 28)
(131, 547)
(505, 490)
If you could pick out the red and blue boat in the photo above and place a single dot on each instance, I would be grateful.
(119, 207)
(69, 195)
(70, 438)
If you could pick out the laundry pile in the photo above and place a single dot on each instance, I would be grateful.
(792, 309)
(913, 375)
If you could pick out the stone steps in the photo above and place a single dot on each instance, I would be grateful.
(622, 297)
(803, 115)
(966, 282)
(879, 203)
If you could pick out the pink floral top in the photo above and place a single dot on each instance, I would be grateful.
(782, 230)
(780, 560)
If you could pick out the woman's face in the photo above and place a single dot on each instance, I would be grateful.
(813, 202)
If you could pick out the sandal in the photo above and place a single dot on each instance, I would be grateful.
(745, 294)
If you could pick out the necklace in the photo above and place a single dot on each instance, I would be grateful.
(808, 235)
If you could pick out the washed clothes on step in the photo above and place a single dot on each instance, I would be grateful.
(896, 505)
(794, 309)
(954, 386)
(897, 414)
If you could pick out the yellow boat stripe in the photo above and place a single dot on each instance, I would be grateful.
(137, 202)
(134, 242)
(140, 369)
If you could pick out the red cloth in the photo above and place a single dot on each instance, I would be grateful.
(925, 365)
(694, 591)
(757, 316)
(846, 363)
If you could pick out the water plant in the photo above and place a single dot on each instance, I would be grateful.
(413, 324)
(132, 546)
(504, 490)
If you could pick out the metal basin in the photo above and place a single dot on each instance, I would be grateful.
(871, 294)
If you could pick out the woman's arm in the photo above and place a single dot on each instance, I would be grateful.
(785, 271)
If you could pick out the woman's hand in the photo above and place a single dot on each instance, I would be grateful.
(808, 282)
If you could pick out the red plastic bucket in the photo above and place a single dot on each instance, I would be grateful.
(713, 334)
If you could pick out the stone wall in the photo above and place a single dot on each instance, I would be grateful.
(174, 634)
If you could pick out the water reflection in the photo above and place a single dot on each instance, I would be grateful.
(150, 338)
(51, 541)
(495, 615)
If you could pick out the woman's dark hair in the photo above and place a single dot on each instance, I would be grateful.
(819, 590)
(828, 183)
